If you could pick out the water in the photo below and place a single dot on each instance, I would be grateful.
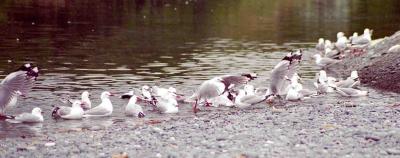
(117, 46)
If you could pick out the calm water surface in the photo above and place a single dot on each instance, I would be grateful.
(102, 45)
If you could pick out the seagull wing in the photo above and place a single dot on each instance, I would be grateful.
(349, 91)
(210, 89)
(6, 95)
(64, 110)
(277, 76)
(26, 117)
(327, 61)
(235, 80)
(252, 99)
(97, 111)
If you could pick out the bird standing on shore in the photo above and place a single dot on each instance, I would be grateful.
(217, 86)
(104, 109)
(69, 113)
(34, 117)
(134, 109)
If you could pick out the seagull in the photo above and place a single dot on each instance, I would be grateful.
(350, 82)
(249, 89)
(296, 91)
(165, 106)
(349, 92)
(167, 94)
(328, 44)
(86, 103)
(364, 39)
(69, 113)
(355, 35)
(243, 101)
(104, 109)
(34, 117)
(323, 61)
(20, 81)
(293, 94)
(341, 43)
(320, 45)
(133, 109)
(222, 100)
(324, 82)
(219, 85)
(146, 92)
(287, 67)
(333, 54)
(127, 95)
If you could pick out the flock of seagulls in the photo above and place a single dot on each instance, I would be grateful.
(232, 90)
(330, 53)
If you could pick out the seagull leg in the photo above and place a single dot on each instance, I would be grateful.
(207, 103)
(195, 107)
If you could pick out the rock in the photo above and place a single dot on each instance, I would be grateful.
(157, 130)
(120, 155)
(374, 138)
(50, 144)
(393, 151)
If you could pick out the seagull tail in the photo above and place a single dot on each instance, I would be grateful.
(13, 121)
(54, 114)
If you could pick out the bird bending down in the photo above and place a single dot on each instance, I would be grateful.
(105, 108)
(69, 113)
(217, 86)
(34, 117)
(134, 109)
(14, 84)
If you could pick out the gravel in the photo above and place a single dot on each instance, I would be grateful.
(305, 130)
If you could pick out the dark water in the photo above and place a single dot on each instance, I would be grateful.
(99, 45)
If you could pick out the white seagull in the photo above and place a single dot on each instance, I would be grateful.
(341, 43)
(134, 109)
(87, 104)
(364, 39)
(20, 81)
(323, 61)
(320, 45)
(165, 106)
(104, 109)
(217, 86)
(286, 68)
(350, 82)
(146, 93)
(243, 101)
(222, 100)
(69, 113)
(34, 117)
